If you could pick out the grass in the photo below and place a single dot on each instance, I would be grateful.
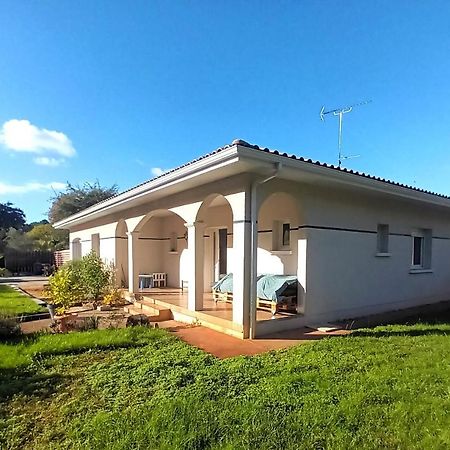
(13, 303)
(141, 388)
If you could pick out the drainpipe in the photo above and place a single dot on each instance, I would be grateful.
(254, 245)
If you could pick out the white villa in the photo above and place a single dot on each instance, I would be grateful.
(353, 244)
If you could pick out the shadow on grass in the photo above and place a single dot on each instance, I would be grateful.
(17, 381)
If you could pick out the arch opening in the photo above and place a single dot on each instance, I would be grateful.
(162, 247)
(281, 253)
(215, 215)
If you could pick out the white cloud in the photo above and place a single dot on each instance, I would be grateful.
(6, 188)
(157, 171)
(23, 136)
(46, 161)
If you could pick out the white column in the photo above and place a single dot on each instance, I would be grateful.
(242, 259)
(133, 264)
(196, 256)
(241, 274)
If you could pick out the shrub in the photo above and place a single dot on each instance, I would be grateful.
(95, 276)
(113, 298)
(65, 286)
(9, 327)
(88, 279)
(4, 272)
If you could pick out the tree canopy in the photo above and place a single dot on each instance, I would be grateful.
(76, 198)
(45, 237)
(16, 234)
(18, 240)
(11, 217)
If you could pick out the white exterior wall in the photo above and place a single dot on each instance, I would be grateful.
(107, 241)
(346, 279)
(277, 207)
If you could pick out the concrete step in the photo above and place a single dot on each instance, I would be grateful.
(126, 295)
(147, 306)
(158, 312)
(132, 311)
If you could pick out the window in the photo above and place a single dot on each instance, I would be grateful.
(286, 236)
(417, 256)
(421, 249)
(281, 236)
(173, 242)
(382, 239)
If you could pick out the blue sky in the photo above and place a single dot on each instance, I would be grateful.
(110, 90)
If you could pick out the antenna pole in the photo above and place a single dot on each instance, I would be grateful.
(340, 113)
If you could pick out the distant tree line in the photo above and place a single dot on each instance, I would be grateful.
(17, 234)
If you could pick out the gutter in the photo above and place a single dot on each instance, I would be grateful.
(254, 244)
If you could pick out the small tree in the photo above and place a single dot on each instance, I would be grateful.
(95, 276)
(65, 286)
(77, 281)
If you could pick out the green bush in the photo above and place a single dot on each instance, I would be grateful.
(95, 276)
(9, 327)
(4, 272)
(66, 286)
(88, 279)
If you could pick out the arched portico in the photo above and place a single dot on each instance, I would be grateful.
(156, 245)
(211, 240)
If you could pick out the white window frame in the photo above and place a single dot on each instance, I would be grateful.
(426, 260)
(282, 242)
(277, 236)
(383, 240)
(414, 236)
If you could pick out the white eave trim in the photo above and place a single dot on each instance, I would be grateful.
(350, 179)
(214, 161)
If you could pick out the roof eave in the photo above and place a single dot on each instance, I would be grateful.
(346, 177)
(214, 161)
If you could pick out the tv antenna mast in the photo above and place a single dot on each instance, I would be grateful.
(340, 113)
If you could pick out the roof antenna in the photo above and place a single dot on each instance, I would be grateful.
(340, 113)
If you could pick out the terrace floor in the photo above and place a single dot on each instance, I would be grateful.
(222, 310)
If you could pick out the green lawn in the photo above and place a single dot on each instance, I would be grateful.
(144, 389)
(13, 303)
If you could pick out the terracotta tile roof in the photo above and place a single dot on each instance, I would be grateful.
(332, 167)
(285, 155)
